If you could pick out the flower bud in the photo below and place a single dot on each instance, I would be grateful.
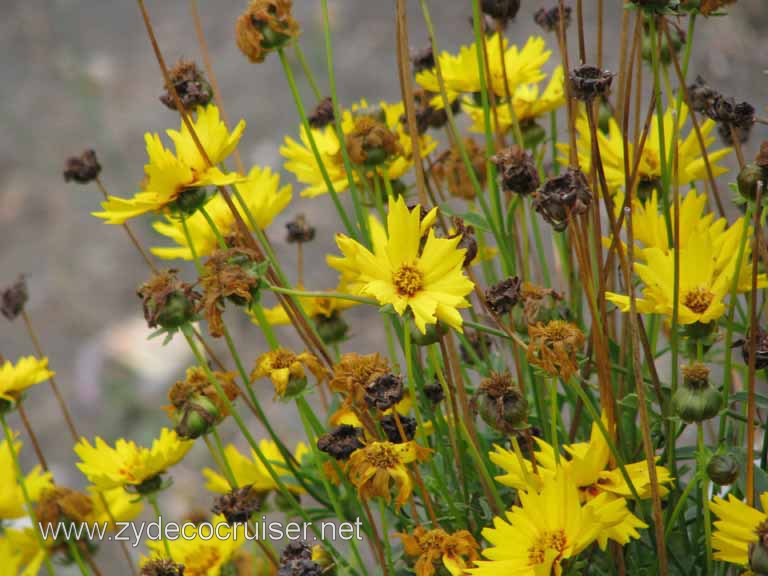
(196, 417)
(331, 329)
(167, 301)
(696, 400)
(750, 177)
(189, 201)
(723, 469)
(501, 404)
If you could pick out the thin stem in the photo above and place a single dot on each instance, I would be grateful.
(152, 501)
(553, 411)
(307, 71)
(705, 496)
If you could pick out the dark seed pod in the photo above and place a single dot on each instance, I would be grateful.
(590, 82)
(392, 430)
(761, 349)
(501, 298)
(750, 177)
(501, 9)
(517, 170)
(341, 441)
(384, 392)
(238, 505)
(723, 469)
(162, 567)
(549, 18)
(563, 197)
(82, 169)
(322, 115)
(13, 298)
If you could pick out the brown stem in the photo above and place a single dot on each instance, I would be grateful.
(753, 330)
(32, 436)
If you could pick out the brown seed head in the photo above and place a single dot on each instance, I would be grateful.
(190, 84)
(502, 297)
(384, 392)
(450, 171)
(196, 383)
(517, 170)
(238, 505)
(299, 230)
(322, 115)
(563, 197)
(162, 567)
(265, 26)
(167, 301)
(503, 10)
(728, 111)
(296, 560)
(371, 142)
(13, 298)
(354, 372)
(82, 169)
(422, 59)
(590, 82)
(696, 375)
(341, 441)
(553, 347)
(468, 241)
(549, 18)
(389, 424)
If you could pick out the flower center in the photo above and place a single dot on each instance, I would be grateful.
(382, 457)
(555, 540)
(408, 280)
(282, 359)
(698, 300)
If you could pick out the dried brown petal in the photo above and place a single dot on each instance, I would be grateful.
(502, 297)
(264, 26)
(590, 82)
(517, 170)
(384, 392)
(322, 115)
(341, 441)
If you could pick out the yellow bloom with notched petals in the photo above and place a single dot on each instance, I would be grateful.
(739, 526)
(11, 497)
(263, 196)
(169, 175)
(117, 506)
(429, 281)
(27, 372)
(252, 471)
(549, 527)
(287, 370)
(691, 163)
(128, 464)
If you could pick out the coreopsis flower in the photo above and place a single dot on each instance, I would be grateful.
(252, 471)
(739, 528)
(692, 167)
(204, 551)
(127, 464)
(21, 552)
(196, 406)
(587, 466)
(553, 347)
(549, 527)
(529, 102)
(16, 378)
(171, 178)
(264, 198)
(429, 281)
(301, 162)
(288, 370)
(374, 468)
(36, 482)
(462, 74)
(704, 282)
(434, 548)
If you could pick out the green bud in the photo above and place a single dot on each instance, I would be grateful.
(696, 400)
(189, 201)
(723, 469)
(331, 329)
(432, 335)
(749, 178)
(196, 418)
(177, 311)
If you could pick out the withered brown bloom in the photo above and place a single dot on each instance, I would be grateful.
(13, 298)
(265, 26)
(427, 116)
(434, 549)
(384, 392)
(190, 84)
(322, 115)
(371, 142)
(553, 347)
(517, 170)
(392, 430)
(238, 505)
(58, 504)
(167, 301)
(761, 350)
(549, 18)
(196, 405)
(590, 82)
(423, 59)
(707, 7)
(82, 169)
(341, 441)
(500, 403)
(354, 372)
(450, 171)
(299, 230)
(434, 392)
(296, 560)
(701, 95)
(501, 9)
(468, 241)
(533, 299)
(501, 298)
(227, 275)
(728, 111)
(162, 567)
(563, 197)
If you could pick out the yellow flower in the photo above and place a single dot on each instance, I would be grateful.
(287, 370)
(705, 281)
(462, 75)
(264, 198)
(20, 552)
(549, 527)
(120, 506)
(691, 163)
(301, 162)
(11, 497)
(28, 371)
(204, 550)
(128, 464)
(169, 175)
(251, 471)
(456, 552)
(429, 281)
(587, 468)
(738, 527)
(373, 468)
(527, 103)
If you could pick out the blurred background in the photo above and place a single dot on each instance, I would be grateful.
(80, 74)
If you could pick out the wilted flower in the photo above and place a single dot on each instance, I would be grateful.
(167, 301)
(398, 428)
(549, 18)
(190, 84)
(13, 298)
(500, 403)
(517, 170)
(299, 230)
(238, 505)
(502, 297)
(563, 197)
(196, 405)
(423, 59)
(590, 82)
(341, 441)
(297, 560)
(371, 142)
(322, 115)
(287, 370)
(82, 169)
(553, 347)
(435, 548)
(265, 26)
(162, 567)
(384, 392)
(450, 170)
(354, 372)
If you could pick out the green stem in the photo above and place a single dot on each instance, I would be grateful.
(219, 238)
(705, 497)
(192, 249)
(338, 295)
(265, 326)
(152, 501)
(227, 467)
(307, 71)
(387, 543)
(74, 551)
(678, 509)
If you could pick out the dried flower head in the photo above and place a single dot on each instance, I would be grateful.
(590, 82)
(233, 274)
(423, 59)
(517, 170)
(549, 18)
(450, 171)
(503, 10)
(341, 441)
(728, 111)
(322, 115)
(434, 392)
(502, 297)
(190, 84)
(162, 567)
(265, 26)
(167, 301)
(398, 428)
(195, 403)
(238, 505)
(563, 197)
(701, 95)
(427, 116)
(82, 169)
(761, 349)
(468, 240)
(296, 560)
(707, 7)
(533, 299)
(553, 347)
(299, 230)
(500, 403)
(371, 143)
(13, 298)
(58, 504)
(695, 375)
(354, 372)
(384, 392)
(436, 549)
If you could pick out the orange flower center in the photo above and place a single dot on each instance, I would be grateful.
(408, 280)
(282, 359)
(382, 456)
(555, 540)
(698, 300)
